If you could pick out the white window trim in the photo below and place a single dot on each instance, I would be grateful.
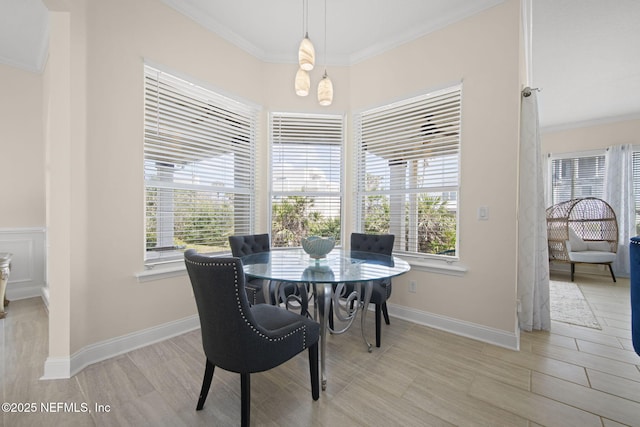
(433, 262)
(272, 193)
(161, 267)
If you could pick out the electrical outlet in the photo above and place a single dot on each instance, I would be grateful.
(413, 288)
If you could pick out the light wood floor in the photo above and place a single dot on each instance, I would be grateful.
(573, 376)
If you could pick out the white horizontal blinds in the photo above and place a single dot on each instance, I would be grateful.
(421, 134)
(636, 191)
(577, 177)
(306, 192)
(408, 171)
(199, 162)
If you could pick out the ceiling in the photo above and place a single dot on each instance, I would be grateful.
(24, 32)
(586, 60)
(585, 54)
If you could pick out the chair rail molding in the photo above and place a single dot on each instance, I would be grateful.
(28, 263)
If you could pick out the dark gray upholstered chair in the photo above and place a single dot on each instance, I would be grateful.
(247, 245)
(241, 338)
(379, 244)
(288, 292)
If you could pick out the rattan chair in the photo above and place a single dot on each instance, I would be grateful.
(582, 231)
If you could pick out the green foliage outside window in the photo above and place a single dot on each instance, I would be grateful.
(436, 223)
(436, 226)
(204, 223)
(200, 221)
(377, 215)
(294, 218)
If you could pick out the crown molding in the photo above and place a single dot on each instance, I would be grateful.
(198, 15)
(589, 123)
(415, 33)
(213, 25)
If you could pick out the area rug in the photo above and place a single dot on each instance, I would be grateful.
(568, 305)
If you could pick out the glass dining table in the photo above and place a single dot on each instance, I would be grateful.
(326, 278)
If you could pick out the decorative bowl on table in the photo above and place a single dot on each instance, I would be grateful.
(318, 247)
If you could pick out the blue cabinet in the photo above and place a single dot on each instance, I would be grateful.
(635, 292)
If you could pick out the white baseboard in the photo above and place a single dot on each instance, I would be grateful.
(57, 368)
(458, 327)
(27, 291)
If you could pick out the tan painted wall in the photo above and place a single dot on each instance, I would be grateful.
(62, 220)
(22, 149)
(596, 136)
(121, 35)
(110, 41)
(484, 53)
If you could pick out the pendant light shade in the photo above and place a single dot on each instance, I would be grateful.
(325, 91)
(303, 82)
(306, 54)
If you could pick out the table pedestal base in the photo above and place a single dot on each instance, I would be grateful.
(318, 277)
(323, 293)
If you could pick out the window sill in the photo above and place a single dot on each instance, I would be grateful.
(177, 268)
(439, 266)
(168, 268)
(161, 271)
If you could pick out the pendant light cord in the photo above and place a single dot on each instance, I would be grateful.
(325, 37)
(305, 18)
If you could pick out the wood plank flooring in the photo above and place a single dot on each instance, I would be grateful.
(572, 376)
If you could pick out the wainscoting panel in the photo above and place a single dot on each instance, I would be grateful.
(28, 264)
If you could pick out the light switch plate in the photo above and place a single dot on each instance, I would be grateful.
(483, 213)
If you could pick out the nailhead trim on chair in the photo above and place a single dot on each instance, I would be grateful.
(237, 291)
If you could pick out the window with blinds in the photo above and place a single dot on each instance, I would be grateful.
(198, 167)
(408, 157)
(306, 177)
(576, 177)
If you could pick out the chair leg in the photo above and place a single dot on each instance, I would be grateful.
(313, 370)
(245, 391)
(304, 298)
(385, 313)
(206, 383)
(378, 323)
(330, 314)
(573, 270)
(613, 276)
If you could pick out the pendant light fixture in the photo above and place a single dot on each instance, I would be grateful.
(303, 82)
(325, 90)
(325, 87)
(306, 52)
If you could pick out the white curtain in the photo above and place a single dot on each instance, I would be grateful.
(533, 258)
(618, 192)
